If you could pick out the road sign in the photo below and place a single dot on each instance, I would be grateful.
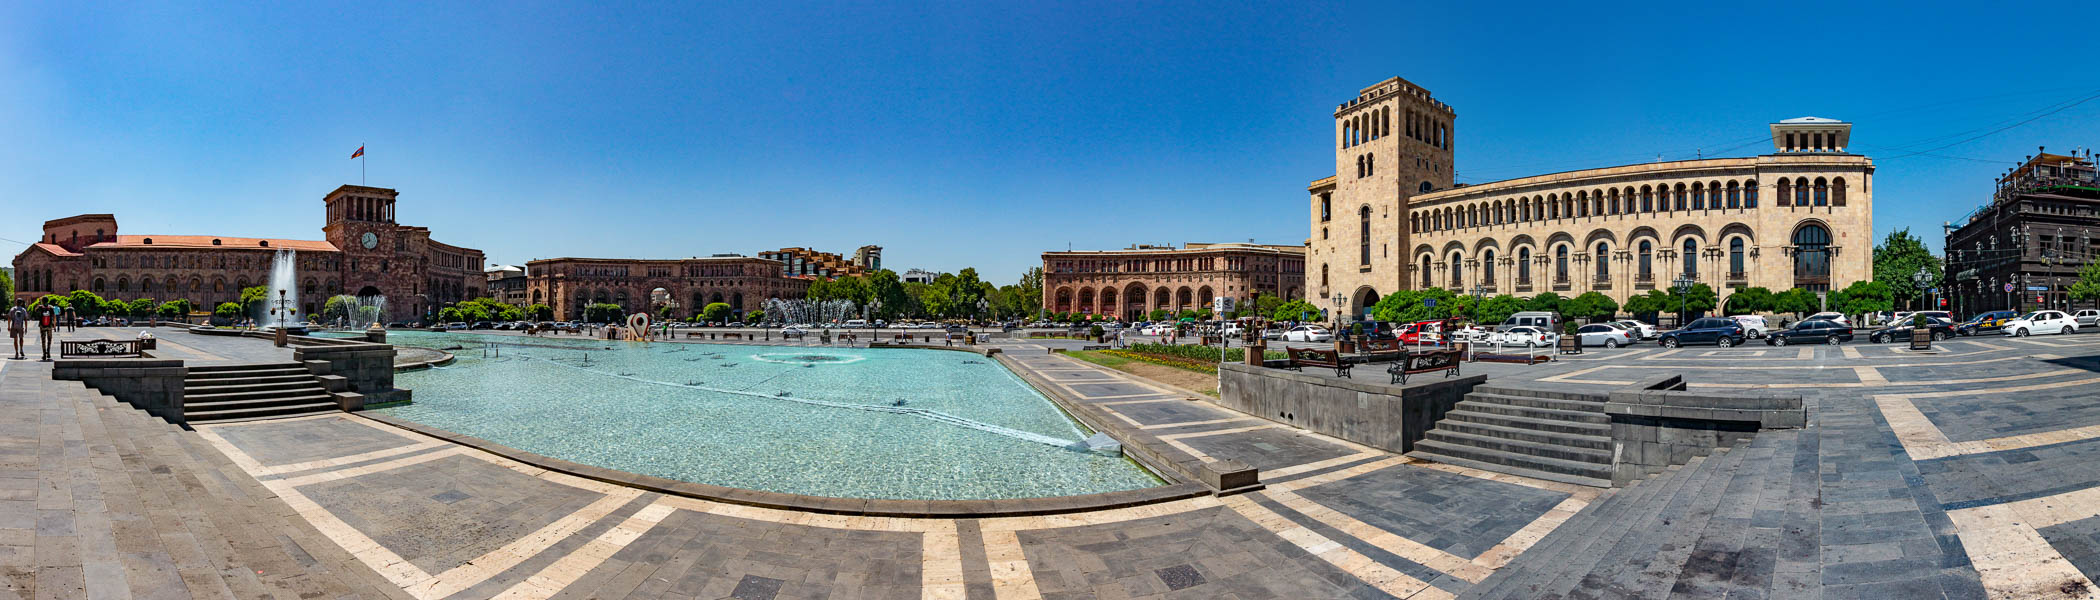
(1429, 302)
(2008, 287)
(1221, 305)
(2037, 288)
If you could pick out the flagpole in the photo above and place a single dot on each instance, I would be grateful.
(361, 158)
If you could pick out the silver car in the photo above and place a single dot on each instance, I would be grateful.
(2087, 318)
(1609, 335)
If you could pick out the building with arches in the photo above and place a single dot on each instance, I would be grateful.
(1130, 283)
(744, 283)
(1799, 216)
(363, 252)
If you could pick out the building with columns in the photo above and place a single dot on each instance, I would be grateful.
(1799, 216)
(2024, 249)
(744, 283)
(363, 253)
(1129, 283)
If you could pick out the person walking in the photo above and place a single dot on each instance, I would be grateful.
(46, 321)
(18, 326)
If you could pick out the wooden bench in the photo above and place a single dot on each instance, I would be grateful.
(1380, 348)
(1314, 357)
(68, 349)
(732, 336)
(1426, 362)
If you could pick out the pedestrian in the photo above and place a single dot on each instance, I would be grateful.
(46, 321)
(18, 326)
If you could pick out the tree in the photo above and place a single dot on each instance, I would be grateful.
(86, 303)
(176, 309)
(1648, 304)
(1499, 308)
(1897, 262)
(1546, 302)
(1798, 301)
(1159, 314)
(1750, 300)
(1296, 310)
(7, 287)
(48, 300)
(142, 308)
(539, 312)
(1697, 299)
(603, 313)
(1864, 297)
(2088, 285)
(1590, 305)
(1026, 298)
(756, 316)
(717, 312)
(451, 314)
(228, 311)
(1266, 304)
(253, 299)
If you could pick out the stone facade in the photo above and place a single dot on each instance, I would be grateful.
(507, 285)
(744, 283)
(1126, 284)
(2034, 236)
(814, 263)
(1801, 216)
(1393, 141)
(403, 264)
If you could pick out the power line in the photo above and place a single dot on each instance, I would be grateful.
(2095, 96)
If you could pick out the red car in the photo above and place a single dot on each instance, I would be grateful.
(1422, 332)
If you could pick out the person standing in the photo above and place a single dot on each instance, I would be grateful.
(46, 321)
(18, 326)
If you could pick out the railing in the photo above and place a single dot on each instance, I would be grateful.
(1738, 278)
(1601, 283)
(68, 349)
(1560, 284)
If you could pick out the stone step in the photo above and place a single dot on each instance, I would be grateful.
(1550, 414)
(1536, 402)
(245, 367)
(193, 383)
(1572, 440)
(1621, 564)
(191, 407)
(290, 383)
(192, 399)
(310, 405)
(1522, 577)
(1515, 446)
(1504, 390)
(138, 563)
(1534, 424)
(193, 375)
(1524, 465)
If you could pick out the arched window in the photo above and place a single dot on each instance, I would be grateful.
(1458, 270)
(1560, 264)
(1812, 258)
(1680, 196)
(1425, 187)
(1524, 266)
(1582, 205)
(1523, 211)
(1735, 194)
(1370, 164)
(1323, 281)
(1647, 253)
(1363, 238)
(1359, 166)
(1603, 262)
(1614, 201)
(1487, 266)
(1425, 265)
(1750, 194)
(99, 288)
(1837, 197)
(1800, 191)
(1698, 196)
(1786, 189)
(1647, 199)
(1822, 192)
(1735, 259)
(1326, 207)
(1691, 258)
(1552, 207)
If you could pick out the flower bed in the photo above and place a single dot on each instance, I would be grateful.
(1180, 362)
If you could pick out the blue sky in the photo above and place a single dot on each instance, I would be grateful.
(959, 134)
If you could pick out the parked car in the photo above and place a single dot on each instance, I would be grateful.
(1811, 332)
(1526, 336)
(1986, 322)
(1308, 333)
(1753, 325)
(1900, 331)
(1231, 330)
(1422, 332)
(1470, 333)
(1157, 329)
(1378, 330)
(2087, 318)
(1646, 331)
(1540, 319)
(1830, 316)
(1604, 334)
(1720, 331)
(2040, 321)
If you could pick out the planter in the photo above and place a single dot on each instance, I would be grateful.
(1921, 339)
(1345, 347)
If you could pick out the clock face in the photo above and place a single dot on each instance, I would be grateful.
(370, 239)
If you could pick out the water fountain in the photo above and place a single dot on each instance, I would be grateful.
(802, 311)
(349, 311)
(284, 289)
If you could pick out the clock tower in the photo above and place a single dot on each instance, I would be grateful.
(361, 224)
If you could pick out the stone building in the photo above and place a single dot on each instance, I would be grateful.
(507, 284)
(363, 253)
(2024, 249)
(813, 263)
(1126, 284)
(1800, 216)
(744, 283)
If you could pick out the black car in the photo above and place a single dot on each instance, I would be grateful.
(1985, 323)
(1710, 330)
(1900, 332)
(1811, 332)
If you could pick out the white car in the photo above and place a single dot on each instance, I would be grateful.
(1526, 336)
(1609, 335)
(1232, 330)
(2087, 318)
(793, 331)
(1471, 333)
(1830, 316)
(1753, 325)
(2041, 321)
(1641, 330)
(1160, 329)
(1307, 333)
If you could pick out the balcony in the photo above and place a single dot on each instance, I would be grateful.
(1601, 283)
(1644, 281)
(1561, 284)
(1523, 285)
(1738, 279)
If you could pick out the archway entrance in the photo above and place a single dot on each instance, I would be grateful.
(1361, 302)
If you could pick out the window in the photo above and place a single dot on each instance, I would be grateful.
(1647, 199)
(1735, 257)
(1363, 228)
(1822, 192)
(1735, 193)
(1691, 258)
(1837, 198)
(1458, 278)
(1487, 267)
(1370, 164)
(1801, 191)
(1680, 196)
(1698, 197)
(1560, 264)
(1524, 266)
(1326, 207)
(1646, 254)
(1426, 187)
(1603, 261)
(1812, 258)
(1424, 265)
(1750, 194)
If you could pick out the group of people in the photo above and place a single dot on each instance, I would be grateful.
(48, 320)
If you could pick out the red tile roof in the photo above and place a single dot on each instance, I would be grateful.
(205, 241)
(55, 249)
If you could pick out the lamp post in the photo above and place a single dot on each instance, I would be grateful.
(1924, 278)
(1683, 284)
(282, 311)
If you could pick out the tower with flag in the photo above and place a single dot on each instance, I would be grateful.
(360, 155)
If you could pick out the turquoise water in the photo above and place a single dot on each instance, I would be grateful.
(840, 422)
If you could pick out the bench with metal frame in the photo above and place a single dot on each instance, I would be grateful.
(1314, 357)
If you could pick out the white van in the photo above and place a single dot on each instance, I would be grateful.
(855, 324)
(1533, 318)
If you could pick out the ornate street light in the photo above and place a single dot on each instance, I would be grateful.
(1684, 290)
(1923, 277)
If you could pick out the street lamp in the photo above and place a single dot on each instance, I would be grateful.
(1924, 278)
(283, 312)
(1684, 290)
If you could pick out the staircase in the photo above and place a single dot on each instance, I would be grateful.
(1717, 526)
(1556, 436)
(154, 511)
(230, 393)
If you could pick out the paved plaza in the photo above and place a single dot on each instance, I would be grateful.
(1967, 472)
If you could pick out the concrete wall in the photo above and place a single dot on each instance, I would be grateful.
(152, 384)
(1655, 423)
(367, 368)
(1366, 410)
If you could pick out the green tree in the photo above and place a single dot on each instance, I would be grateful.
(336, 309)
(1864, 297)
(452, 314)
(228, 311)
(2087, 287)
(718, 312)
(539, 312)
(176, 309)
(1698, 299)
(48, 300)
(1159, 314)
(1026, 298)
(1296, 310)
(87, 303)
(254, 298)
(1750, 300)
(1266, 304)
(1798, 301)
(1546, 302)
(1897, 262)
(603, 313)
(1655, 301)
(142, 308)
(756, 316)
(7, 288)
(1592, 306)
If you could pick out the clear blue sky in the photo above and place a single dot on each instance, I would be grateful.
(958, 134)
